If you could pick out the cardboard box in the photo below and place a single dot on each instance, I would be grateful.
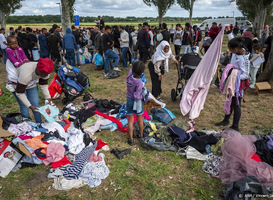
(9, 153)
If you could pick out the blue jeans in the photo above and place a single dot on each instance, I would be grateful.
(78, 55)
(70, 56)
(108, 55)
(33, 97)
(186, 49)
(124, 51)
(4, 51)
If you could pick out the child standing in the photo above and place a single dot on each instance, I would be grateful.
(257, 52)
(15, 54)
(241, 62)
(134, 98)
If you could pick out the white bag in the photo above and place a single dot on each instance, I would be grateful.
(159, 37)
(86, 53)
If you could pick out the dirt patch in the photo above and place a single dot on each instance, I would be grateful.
(37, 179)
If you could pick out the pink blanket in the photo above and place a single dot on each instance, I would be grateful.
(197, 88)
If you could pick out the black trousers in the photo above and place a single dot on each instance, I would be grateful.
(55, 56)
(177, 49)
(143, 53)
(172, 37)
(156, 84)
(237, 112)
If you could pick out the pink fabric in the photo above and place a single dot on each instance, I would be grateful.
(145, 115)
(16, 56)
(237, 164)
(197, 88)
(229, 90)
(224, 76)
(248, 34)
(54, 152)
(95, 158)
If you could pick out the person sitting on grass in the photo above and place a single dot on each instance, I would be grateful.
(134, 98)
(15, 54)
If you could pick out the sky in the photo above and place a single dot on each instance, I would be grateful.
(124, 8)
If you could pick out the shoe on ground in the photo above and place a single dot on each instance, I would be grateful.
(252, 87)
(235, 128)
(222, 123)
(131, 142)
(117, 69)
(105, 75)
(120, 154)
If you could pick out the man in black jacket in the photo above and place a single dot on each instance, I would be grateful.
(143, 42)
(33, 40)
(165, 34)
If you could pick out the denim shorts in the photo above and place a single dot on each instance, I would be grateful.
(130, 105)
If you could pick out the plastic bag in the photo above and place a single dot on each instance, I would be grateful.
(55, 87)
(98, 59)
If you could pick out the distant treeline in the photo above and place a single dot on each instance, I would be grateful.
(32, 19)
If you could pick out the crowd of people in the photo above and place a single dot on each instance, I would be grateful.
(126, 45)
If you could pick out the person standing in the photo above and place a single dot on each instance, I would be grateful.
(124, 46)
(101, 23)
(172, 32)
(265, 35)
(178, 36)
(25, 42)
(206, 29)
(151, 34)
(197, 36)
(53, 44)
(108, 51)
(44, 49)
(235, 30)
(33, 44)
(165, 34)
(3, 45)
(70, 47)
(187, 39)
(214, 30)
(143, 42)
(77, 36)
(242, 27)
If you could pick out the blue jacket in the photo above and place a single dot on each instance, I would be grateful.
(69, 41)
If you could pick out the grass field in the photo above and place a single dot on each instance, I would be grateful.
(143, 174)
(47, 25)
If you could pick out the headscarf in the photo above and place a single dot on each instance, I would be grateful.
(266, 28)
(248, 34)
(160, 55)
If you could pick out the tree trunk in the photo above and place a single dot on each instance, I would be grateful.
(66, 22)
(191, 11)
(160, 17)
(3, 19)
(268, 72)
(260, 18)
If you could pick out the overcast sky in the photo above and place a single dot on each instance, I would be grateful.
(123, 8)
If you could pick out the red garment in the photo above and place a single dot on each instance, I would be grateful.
(231, 27)
(145, 115)
(197, 33)
(25, 137)
(244, 84)
(256, 158)
(100, 144)
(62, 162)
(113, 119)
(45, 65)
(67, 124)
(213, 32)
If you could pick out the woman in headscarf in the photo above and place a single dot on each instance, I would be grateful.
(248, 41)
(158, 64)
(265, 35)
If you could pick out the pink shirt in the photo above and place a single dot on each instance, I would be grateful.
(16, 56)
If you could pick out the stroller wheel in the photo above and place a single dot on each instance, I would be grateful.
(86, 97)
(173, 94)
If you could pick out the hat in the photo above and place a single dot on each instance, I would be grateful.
(45, 65)
(145, 24)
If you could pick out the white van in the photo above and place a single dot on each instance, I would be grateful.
(246, 23)
(222, 21)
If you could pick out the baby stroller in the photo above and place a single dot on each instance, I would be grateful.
(73, 82)
(188, 64)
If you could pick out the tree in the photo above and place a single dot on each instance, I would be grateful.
(255, 11)
(187, 5)
(67, 13)
(162, 7)
(8, 7)
(268, 72)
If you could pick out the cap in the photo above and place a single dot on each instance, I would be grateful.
(45, 65)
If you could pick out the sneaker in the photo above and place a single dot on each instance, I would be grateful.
(105, 75)
(252, 87)
(222, 123)
(117, 69)
(131, 142)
